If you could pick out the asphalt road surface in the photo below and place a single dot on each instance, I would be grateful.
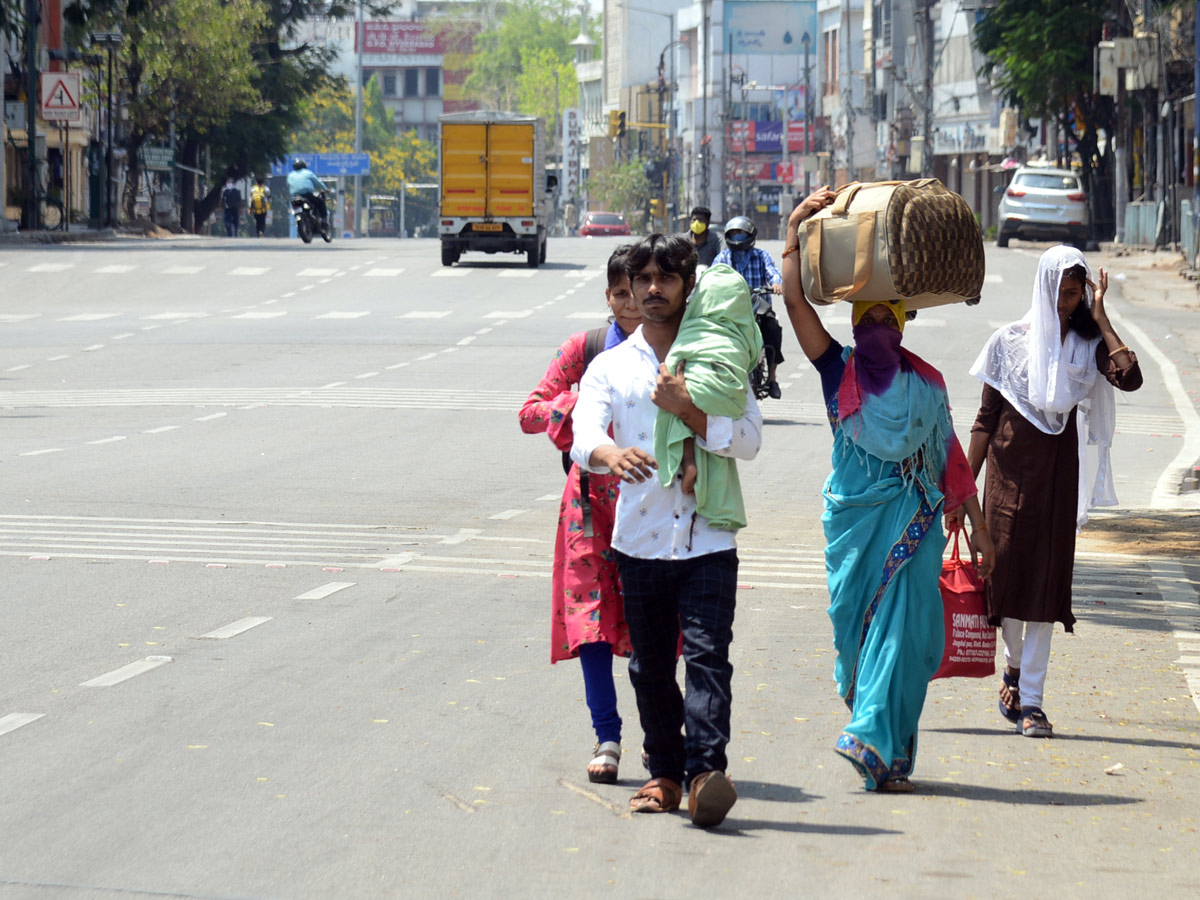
(274, 591)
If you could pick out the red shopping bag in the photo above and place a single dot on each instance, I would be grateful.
(970, 641)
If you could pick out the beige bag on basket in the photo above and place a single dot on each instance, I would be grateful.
(888, 240)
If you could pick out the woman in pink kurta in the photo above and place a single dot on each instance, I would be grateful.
(587, 617)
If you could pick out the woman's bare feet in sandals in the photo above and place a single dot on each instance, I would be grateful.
(603, 767)
(1010, 694)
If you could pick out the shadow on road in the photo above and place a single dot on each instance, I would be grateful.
(1020, 796)
(1060, 737)
(739, 827)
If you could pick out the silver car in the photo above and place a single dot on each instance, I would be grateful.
(1044, 204)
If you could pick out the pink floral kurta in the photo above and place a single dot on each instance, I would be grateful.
(586, 605)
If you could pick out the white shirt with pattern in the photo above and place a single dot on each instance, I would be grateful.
(653, 522)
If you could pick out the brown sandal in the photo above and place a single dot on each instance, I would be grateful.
(658, 795)
(897, 784)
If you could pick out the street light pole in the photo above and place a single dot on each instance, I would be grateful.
(806, 40)
(358, 98)
(109, 40)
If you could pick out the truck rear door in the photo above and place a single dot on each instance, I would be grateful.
(510, 177)
(464, 170)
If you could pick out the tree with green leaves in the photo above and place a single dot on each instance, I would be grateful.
(1039, 56)
(624, 189)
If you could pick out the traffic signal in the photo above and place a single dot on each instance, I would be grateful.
(656, 209)
(620, 123)
(614, 122)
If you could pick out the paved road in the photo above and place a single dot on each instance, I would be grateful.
(274, 559)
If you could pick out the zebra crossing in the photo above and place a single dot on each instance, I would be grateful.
(367, 271)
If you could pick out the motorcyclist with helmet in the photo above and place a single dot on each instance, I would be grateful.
(304, 185)
(759, 270)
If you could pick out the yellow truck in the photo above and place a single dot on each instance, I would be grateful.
(493, 193)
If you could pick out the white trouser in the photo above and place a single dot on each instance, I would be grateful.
(1027, 647)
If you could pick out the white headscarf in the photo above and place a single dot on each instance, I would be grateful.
(1044, 378)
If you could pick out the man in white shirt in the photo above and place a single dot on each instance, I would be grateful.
(676, 570)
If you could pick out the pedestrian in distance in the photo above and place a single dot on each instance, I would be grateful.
(260, 205)
(587, 618)
(756, 266)
(1047, 400)
(705, 241)
(570, 217)
(678, 571)
(896, 465)
(231, 203)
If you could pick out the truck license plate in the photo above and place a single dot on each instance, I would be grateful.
(487, 226)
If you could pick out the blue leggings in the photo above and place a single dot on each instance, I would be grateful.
(596, 661)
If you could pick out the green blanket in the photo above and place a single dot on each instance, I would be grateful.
(719, 343)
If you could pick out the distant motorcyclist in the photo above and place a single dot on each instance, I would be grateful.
(304, 185)
(759, 270)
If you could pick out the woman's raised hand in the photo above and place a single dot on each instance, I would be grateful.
(1099, 289)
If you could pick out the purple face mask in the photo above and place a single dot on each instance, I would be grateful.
(876, 356)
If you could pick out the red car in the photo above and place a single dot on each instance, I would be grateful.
(596, 224)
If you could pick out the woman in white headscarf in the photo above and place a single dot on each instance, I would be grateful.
(1045, 426)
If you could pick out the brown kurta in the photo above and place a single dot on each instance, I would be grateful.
(1030, 500)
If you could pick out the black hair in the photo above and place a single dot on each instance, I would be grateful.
(701, 211)
(617, 270)
(674, 255)
(1080, 321)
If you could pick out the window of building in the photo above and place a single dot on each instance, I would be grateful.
(412, 79)
(366, 76)
(831, 62)
(389, 84)
(433, 82)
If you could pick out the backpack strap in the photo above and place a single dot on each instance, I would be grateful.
(593, 344)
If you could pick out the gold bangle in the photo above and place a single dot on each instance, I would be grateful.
(1124, 347)
(790, 250)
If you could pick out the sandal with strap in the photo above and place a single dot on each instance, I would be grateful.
(603, 767)
(1012, 709)
(658, 795)
(1038, 725)
(896, 784)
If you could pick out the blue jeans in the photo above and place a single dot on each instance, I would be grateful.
(685, 736)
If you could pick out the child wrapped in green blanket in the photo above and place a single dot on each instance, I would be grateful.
(718, 344)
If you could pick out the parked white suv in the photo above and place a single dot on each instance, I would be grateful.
(1044, 204)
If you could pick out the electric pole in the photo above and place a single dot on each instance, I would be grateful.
(927, 101)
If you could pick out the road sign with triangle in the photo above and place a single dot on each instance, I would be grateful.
(60, 96)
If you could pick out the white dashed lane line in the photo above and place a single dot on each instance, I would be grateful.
(335, 314)
(126, 672)
(451, 273)
(325, 590)
(508, 514)
(235, 628)
(519, 314)
(182, 270)
(161, 430)
(425, 314)
(382, 273)
(88, 317)
(249, 270)
(13, 721)
(210, 418)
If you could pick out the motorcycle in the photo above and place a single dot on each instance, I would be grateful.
(308, 223)
(761, 299)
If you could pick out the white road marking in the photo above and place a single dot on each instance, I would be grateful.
(316, 273)
(250, 270)
(13, 721)
(342, 315)
(92, 348)
(210, 418)
(42, 452)
(175, 315)
(17, 368)
(366, 375)
(464, 534)
(235, 628)
(382, 273)
(333, 385)
(397, 366)
(520, 314)
(260, 315)
(17, 317)
(325, 590)
(450, 350)
(426, 356)
(395, 562)
(469, 339)
(114, 270)
(88, 317)
(517, 273)
(182, 270)
(288, 294)
(994, 279)
(50, 267)
(425, 314)
(109, 440)
(591, 315)
(483, 331)
(59, 357)
(1166, 491)
(126, 672)
(451, 273)
(508, 514)
(121, 337)
(547, 498)
(164, 428)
